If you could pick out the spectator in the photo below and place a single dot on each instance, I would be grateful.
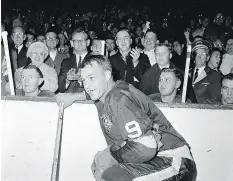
(227, 89)
(37, 53)
(149, 42)
(150, 80)
(69, 78)
(97, 47)
(110, 45)
(215, 59)
(169, 82)
(18, 51)
(55, 57)
(227, 61)
(31, 80)
(206, 82)
(41, 38)
(63, 44)
(128, 64)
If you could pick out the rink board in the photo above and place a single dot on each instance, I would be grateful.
(28, 131)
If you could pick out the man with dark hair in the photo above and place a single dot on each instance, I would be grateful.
(69, 79)
(215, 59)
(32, 79)
(206, 82)
(227, 89)
(142, 144)
(150, 80)
(169, 83)
(55, 57)
(128, 64)
(149, 42)
(110, 45)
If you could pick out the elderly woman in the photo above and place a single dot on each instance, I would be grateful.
(38, 52)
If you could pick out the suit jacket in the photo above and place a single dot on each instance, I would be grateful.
(119, 68)
(56, 64)
(19, 59)
(74, 85)
(207, 86)
(150, 82)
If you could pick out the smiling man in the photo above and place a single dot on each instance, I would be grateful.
(127, 118)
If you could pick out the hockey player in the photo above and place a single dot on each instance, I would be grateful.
(142, 143)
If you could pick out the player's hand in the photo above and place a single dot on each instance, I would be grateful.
(135, 54)
(66, 98)
(102, 161)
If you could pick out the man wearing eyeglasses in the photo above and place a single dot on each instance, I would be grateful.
(69, 79)
(55, 57)
(18, 50)
(128, 64)
(206, 82)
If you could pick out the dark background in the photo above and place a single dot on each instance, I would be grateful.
(204, 6)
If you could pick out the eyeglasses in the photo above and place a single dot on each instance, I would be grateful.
(79, 41)
(41, 54)
(18, 34)
(201, 54)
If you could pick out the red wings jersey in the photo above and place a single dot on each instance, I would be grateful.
(128, 114)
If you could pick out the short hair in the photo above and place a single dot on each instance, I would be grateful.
(18, 27)
(124, 29)
(176, 72)
(79, 30)
(227, 77)
(215, 49)
(152, 31)
(100, 59)
(31, 66)
(164, 44)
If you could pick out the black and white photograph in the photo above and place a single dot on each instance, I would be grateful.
(126, 90)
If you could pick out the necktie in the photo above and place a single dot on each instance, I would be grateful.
(195, 75)
(79, 63)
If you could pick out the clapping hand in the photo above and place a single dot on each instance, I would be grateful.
(135, 54)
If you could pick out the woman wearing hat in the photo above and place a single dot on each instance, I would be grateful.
(38, 52)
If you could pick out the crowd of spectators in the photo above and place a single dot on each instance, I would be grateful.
(46, 50)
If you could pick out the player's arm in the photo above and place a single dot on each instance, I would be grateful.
(135, 127)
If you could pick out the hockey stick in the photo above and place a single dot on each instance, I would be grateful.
(56, 159)
(9, 70)
(186, 74)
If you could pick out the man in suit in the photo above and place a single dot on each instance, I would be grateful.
(18, 50)
(150, 80)
(206, 82)
(128, 64)
(69, 79)
(55, 57)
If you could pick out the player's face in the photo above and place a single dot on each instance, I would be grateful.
(18, 36)
(201, 58)
(123, 41)
(227, 91)
(215, 59)
(51, 40)
(150, 41)
(162, 55)
(30, 80)
(167, 83)
(94, 81)
(110, 44)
